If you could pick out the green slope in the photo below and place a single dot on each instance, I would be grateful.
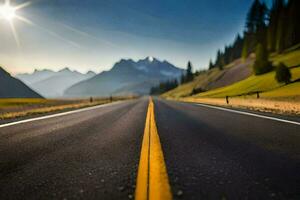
(290, 58)
(290, 90)
(262, 83)
(201, 81)
(265, 83)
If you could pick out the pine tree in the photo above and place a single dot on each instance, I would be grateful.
(245, 51)
(251, 17)
(255, 27)
(163, 87)
(292, 23)
(277, 7)
(262, 64)
(182, 79)
(237, 48)
(189, 72)
(220, 62)
(256, 18)
(283, 74)
(210, 65)
(280, 34)
(261, 32)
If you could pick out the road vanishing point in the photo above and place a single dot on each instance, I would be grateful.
(151, 149)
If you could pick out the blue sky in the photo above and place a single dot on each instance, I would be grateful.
(94, 34)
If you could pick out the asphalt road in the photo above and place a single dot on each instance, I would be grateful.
(214, 154)
(94, 154)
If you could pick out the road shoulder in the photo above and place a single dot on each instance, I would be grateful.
(220, 103)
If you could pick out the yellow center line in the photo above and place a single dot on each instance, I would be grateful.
(152, 179)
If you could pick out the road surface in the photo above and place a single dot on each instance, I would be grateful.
(95, 154)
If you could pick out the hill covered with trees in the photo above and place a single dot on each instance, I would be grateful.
(276, 29)
(265, 57)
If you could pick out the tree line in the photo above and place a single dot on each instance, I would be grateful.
(266, 31)
(273, 30)
(167, 85)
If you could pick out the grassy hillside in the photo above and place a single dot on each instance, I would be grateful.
(291, 90)
(290, 58)
(201, 81)
(262, 83)
(265, 83)
(214, 78)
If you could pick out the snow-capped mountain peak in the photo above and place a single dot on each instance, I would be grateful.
(150, 59)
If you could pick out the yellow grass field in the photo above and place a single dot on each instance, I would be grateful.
(286, 107)
(22, 107)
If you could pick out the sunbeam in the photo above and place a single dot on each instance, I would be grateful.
(23, 19)
(9, 13)
(56, 35)
(23, 5)
(82, 33)
(15, 34)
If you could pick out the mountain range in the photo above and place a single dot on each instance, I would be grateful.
(126, 77)
(14, 88)
(53, 84)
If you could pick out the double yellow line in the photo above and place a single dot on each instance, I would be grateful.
(152, 179)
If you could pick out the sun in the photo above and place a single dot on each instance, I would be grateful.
(7, 12)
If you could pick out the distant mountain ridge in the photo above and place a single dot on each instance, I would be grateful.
(14, 88)
(36, 76)
(53, 84)
(126, 77)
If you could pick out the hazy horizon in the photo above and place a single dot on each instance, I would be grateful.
(93, 35)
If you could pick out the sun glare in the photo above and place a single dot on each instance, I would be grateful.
(7, 12)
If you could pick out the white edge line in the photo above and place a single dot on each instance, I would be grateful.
(57, 115)
(249, 114)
